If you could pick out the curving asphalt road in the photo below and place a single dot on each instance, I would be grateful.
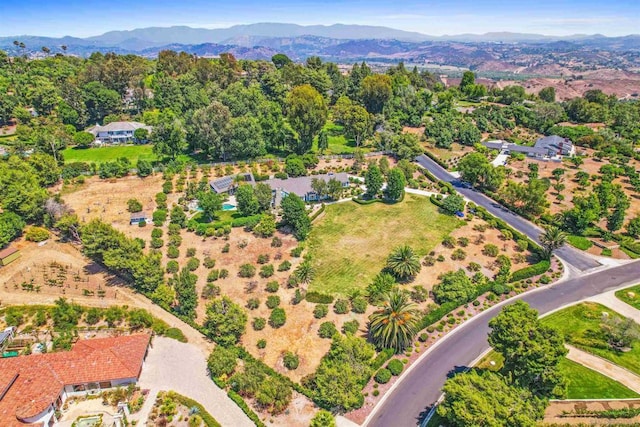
(568, 254)
(415, 395)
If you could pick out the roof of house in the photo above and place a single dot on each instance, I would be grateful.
(224, 184)
(553, 142)
(504, 145)
(301, 186)
(139, 215)
(29, 384)
(118, 126)
(7, 251)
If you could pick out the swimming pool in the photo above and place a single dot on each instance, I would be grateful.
(228, 207)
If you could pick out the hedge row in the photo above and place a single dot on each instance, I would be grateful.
(429, 175)
(530, 271)
(245, 408)
(435, 201)
(318, 298)
(436, 159)
(318, 213)
(446, 308)
(190, 403)
(446, 187)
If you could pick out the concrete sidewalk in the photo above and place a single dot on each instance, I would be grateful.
(606, 368)
(610, 300)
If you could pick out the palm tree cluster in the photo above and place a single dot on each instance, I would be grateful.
(395, 324)
(403, 263)
(551, 239)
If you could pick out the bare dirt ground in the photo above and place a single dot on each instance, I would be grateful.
(554, 413)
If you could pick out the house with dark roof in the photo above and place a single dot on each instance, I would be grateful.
(117, 132)
(301, 186)
(549, 147)
(228, 184)
(33, 387)
(138, 217)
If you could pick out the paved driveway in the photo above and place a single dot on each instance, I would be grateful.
(181, 367)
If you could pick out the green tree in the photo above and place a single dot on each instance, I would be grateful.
(335, 190)
(467, 82)
(83, 139)
(323, 418)
(226, 321)
(247, 201)
(485, 399)
(210, 203)
(454, 286)
(141, 134)
(403, 263)
(373, 180)
(547, 94)
(11, 226)
(395, 185)
(453, 203)
(551, 239)
(475, 169)
(264, 194)
(169, 137)
(633, 227)
(307, 114)
(210, 129)
(323, 141)
(294, 214)
(280, 60)
(531, 349)
(222, 361)
(376, 92)
(395, 324)
(246, 139)
(144, 168)
(20, 189)
(45, 167)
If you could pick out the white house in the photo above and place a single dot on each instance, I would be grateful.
(117, 132)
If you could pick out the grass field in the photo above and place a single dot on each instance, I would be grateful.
(630, 295)
(579, 242)
(109, 154)
(350, 244)
(583, 383)
(580, 324)
(338, 143)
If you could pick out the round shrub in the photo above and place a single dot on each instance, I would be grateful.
(395, 367)
(263, 258)
(210, 291)
(259, 323)
(423, 337)
(475, 303)
(262, 343)
(191, 252)
(284, 266)
(156, 233)
(213, 275)
(224, 273)
(350, 327)
(266, 271)
(173, 252)
(327, 330)
(341, 306)
(247, 270)
(290, 360)
(222, 361)
(376, 392)
(172, 267)
(359, 305)
(383, 376)
(320, 311)
(272, 286)
(277, 318)
(193, 264)
(253, 303)
(157, 243)
(209, 262)
(273, 301)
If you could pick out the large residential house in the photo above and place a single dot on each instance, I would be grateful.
(228, 184)
(551, 147)
(33, 387)
(301, 186)
(117, 132)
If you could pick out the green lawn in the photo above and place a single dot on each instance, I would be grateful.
(350, 244)
(630, 295)
(580, 324)
(109, 154)
(583, 383)
(338, 143)
(579, 242)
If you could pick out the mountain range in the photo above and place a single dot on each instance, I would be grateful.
(338, 42)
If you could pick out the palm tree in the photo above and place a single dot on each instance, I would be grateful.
(552, 239)
(304, 272)
(403, 263)
(395, 324)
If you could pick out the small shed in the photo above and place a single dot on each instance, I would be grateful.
(138, 217)
(8, 255)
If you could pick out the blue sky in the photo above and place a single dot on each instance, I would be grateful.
(83, 18)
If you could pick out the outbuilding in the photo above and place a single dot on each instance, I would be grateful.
(137, 218)
(8, 255)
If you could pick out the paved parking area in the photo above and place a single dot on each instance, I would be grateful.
(181, 367)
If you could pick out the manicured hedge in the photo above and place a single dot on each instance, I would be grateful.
(530, 271)
(579, 242)
(318, 212)
(245, 408)
(381, 358)
(190, 403)
(435, 201)
(436, 159)
(429, 175)
(318, 298)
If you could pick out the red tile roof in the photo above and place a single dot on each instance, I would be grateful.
(29, 384)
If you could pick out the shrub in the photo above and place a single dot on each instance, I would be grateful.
(277, 318)
(259, 323)
(292, 281)
(210, 291)
(213, 275)
(156, 233)
(276, 242)
(193, 264)
(419, 294)
(36, 234)
(327, 330)
(341, 306)
(350, 327)
(544, 279)
(191, 252)
(474, 266)
(173, 252)
(134, 205)
(318, 298)
(272, 286)
(222, 361)
(224, 273)
(263, 258)
(359, 305)
(297, 251)
(530, 271)
(395, 366)
(172, 266)
(423, 337)
(262, 343)
(284, 266)
(159, 217)
(290, 360)
(463, 241)
(175, 240)
(320, 311)
(209, 262)
(247, 271)
(383, 376)
(253, 303)
(266, 271)
(458, 255)
(273, 301)
(490, 250)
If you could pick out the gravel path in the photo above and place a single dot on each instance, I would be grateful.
(172, 365)
(605, 367)
(610, 300)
